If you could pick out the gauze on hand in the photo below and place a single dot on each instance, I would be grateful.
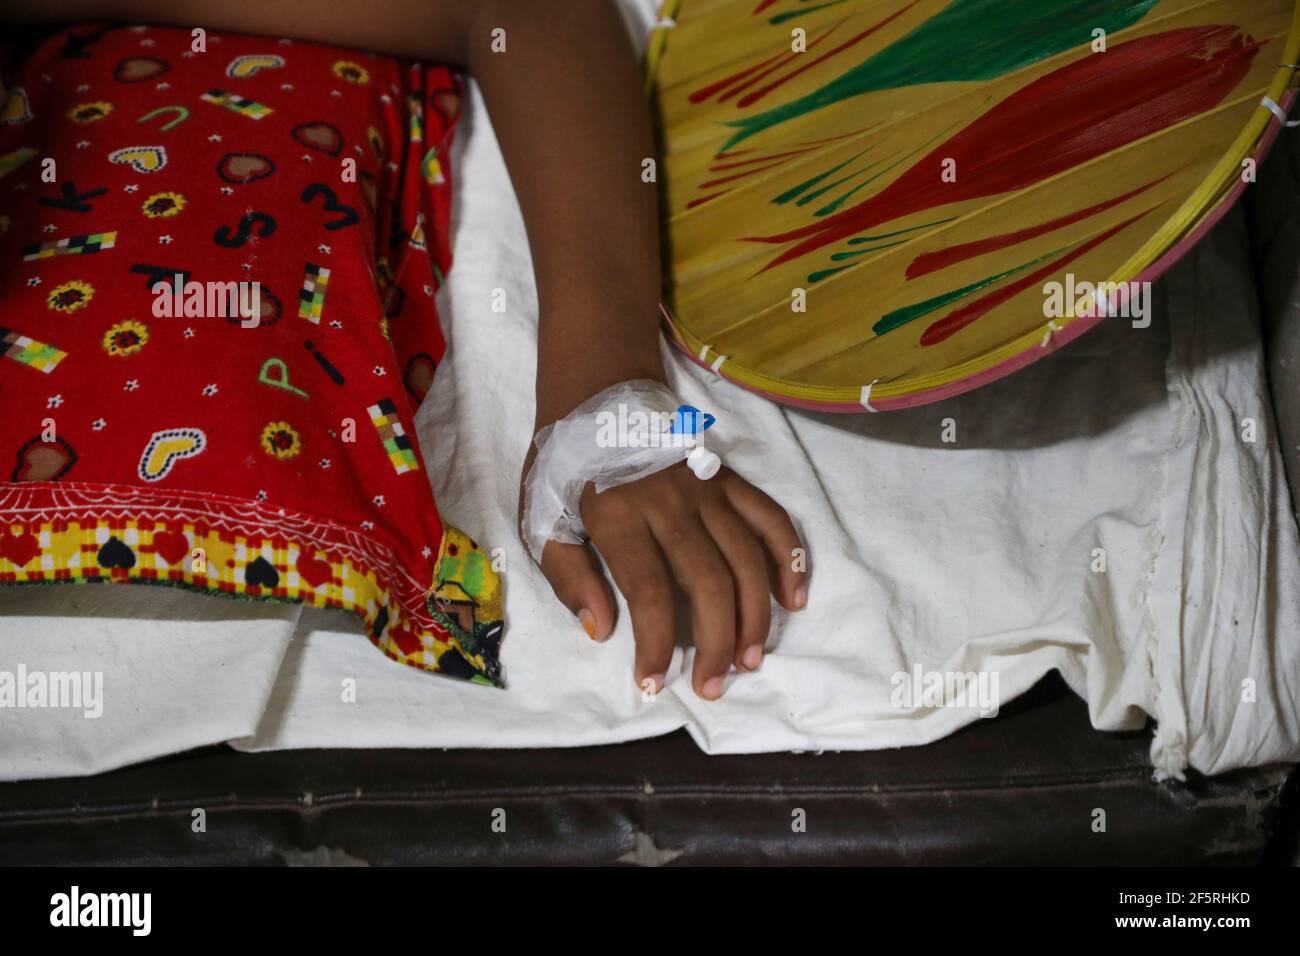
(625, 433)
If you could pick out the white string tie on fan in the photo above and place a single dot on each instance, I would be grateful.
(865, 398)
(1272, 106)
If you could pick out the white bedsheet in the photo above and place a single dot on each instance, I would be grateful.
(975, 555)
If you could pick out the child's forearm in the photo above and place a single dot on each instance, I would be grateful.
(427, 29)
(568, 106)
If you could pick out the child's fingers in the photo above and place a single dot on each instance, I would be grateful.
(640, 572)
(744, 555)
(702, 572)
(576, 578)
(774, 527)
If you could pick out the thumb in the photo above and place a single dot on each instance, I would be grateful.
(576, 578)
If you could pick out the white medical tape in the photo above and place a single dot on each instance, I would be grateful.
(627, 432)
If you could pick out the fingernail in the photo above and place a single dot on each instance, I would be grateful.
(712, 688)
(588, 621)
(752, 657)
(800, 598)
(652, 684)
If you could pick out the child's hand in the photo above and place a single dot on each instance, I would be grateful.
(724, 542)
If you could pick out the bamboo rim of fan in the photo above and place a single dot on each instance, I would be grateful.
(1196, 216)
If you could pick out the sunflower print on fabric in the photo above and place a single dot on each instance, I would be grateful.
(70, 296)
(163, 205)
(126, 338)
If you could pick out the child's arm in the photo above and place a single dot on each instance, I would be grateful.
(567, 104)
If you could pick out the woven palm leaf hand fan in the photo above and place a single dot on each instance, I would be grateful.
(873, 204)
